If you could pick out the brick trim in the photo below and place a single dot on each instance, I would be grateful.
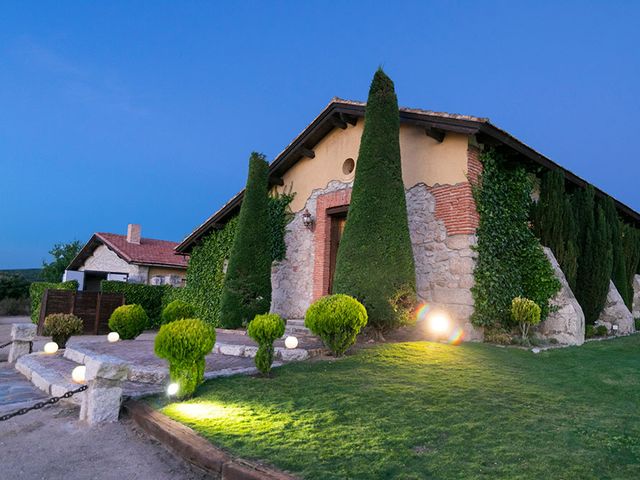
(454, 203)
(322, 237)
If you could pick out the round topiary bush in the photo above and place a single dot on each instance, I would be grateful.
(177, 310)
(129, 321)
(265, 329)
(60, 326)
(184, 343)
(337, 320)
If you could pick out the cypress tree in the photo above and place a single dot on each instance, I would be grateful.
(554, 223)
(247, 286)
(595, 260)
(631, 254)
(618, 273)
(375, 258)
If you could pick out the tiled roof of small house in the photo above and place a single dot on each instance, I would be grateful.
(148, 252)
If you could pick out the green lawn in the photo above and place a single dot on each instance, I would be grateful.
(428, 410)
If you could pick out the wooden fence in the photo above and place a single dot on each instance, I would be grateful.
(94, 308)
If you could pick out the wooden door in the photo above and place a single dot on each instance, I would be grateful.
(338, 221)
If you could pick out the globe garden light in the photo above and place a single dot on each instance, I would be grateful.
(172, 389)
(50, 348)
(439, 323)
(291, 342)
(78, 374)
(113, 337)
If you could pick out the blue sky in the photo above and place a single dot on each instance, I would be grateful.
(120, 112)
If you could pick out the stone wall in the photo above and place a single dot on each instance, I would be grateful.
(292, 278)
(636, 296)
(566, 323)
(444, 263)
(616, 313)
(105, 260)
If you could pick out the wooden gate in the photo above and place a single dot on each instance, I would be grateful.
(94, 308)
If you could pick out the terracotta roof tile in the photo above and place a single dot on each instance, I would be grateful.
(149, 252)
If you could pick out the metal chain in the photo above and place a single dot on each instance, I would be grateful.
(10, 342)
(39, 405)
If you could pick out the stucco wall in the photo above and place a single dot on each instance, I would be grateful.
(424, 160)
(105, 260)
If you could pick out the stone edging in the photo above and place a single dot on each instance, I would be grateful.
(190, 446)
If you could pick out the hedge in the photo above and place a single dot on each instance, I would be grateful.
(149, 297)
(36, 290)
(375, 259)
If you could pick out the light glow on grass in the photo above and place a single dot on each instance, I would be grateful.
(205, 411)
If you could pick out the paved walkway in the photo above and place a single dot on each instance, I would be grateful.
(15, 390)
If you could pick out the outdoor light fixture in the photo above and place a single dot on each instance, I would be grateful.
(113, 337)
(439, 323)
(307, 220)
(50, 348)
(172, 389)
(78, 374)
(614, 328)
(291, 342)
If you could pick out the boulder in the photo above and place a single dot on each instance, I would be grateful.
(616, 313)
(565, 323)
(636, 296)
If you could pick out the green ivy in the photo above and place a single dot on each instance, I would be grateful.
(511, 262)
(205, 275)
(149, 297)
(36, 290)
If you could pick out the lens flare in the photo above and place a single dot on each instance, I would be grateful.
(422, 312)
(456, 337)
(439, 323)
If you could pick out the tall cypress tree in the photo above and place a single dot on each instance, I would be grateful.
(595, 261)
(619, 271)
(631, 254)
(247, 286)
(554, 223)
(375, 258)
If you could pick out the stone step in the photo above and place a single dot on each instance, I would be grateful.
(50, 373)
(295, 322)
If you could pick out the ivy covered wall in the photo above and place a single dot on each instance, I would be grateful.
(511, 262)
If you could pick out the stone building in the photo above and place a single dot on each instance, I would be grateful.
(127, 258)
(440, 161)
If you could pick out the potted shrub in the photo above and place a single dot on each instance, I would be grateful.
(60, 327)
(185, 343)
(129, 321)
(265, 329)
(337, 320)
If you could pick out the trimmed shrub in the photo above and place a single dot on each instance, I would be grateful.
(177, 310)
(184, 344)
(589, 331)
(149, 297)
(60, 326)
(601, 331)
(337, 320)
(129, 321)
(265, 329)
(247, 285)
(375, 258)
(36, 290)
(511, 262)
(525, 313)
(595, 260)
(637, 324)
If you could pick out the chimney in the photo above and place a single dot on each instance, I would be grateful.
(133, 233)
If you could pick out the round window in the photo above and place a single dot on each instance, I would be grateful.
(348, 165)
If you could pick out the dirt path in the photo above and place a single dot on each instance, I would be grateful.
(52, 444)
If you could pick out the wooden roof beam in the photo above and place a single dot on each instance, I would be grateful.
(435, 133)
(307, 152)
